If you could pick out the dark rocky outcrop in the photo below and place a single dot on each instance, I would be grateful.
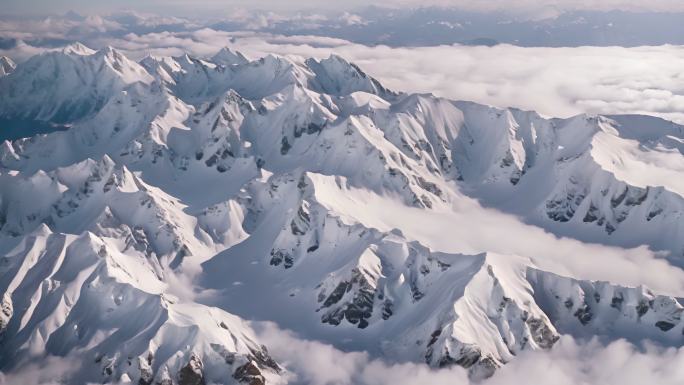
(191, 374)
(250, 374)
(358, 309)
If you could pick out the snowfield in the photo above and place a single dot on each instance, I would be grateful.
(189, 198)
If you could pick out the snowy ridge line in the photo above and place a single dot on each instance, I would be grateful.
(477, 311)
(189, 194)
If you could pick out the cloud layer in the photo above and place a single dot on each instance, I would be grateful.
(553, 81)
(569, 362)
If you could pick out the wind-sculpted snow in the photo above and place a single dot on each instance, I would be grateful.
(188, 194)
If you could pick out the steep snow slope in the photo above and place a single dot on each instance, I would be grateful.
(612, 174)
(67, 85)
(81, 296)
(187, 193)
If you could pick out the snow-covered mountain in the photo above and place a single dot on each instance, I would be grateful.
(189, 194)
(65, 85)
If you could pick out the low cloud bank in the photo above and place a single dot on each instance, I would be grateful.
(553, 81)
(46, 371)
(570, 362)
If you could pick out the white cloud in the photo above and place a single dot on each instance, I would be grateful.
(553, 81)
(50, 371)
(590, 362)
(309, 362)
(569, 362)
(316, 363)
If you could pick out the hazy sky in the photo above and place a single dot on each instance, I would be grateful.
(205, 6)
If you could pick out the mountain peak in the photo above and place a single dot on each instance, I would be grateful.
(227, 56)
(81, 82)
(77, 49)
(107, 50)
(333, 57)
(111, 53)
(338, 76)
(274, 61)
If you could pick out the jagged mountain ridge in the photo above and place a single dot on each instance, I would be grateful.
(267, 140)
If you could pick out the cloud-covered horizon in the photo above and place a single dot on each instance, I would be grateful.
(557, 82)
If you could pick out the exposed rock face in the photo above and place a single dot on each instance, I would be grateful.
(599, 306)
(264, 360)
(356, 309)
(191, 374)
(146, 372)
(541, 332)
(6, 312)
(249, 374)
(563, 208)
